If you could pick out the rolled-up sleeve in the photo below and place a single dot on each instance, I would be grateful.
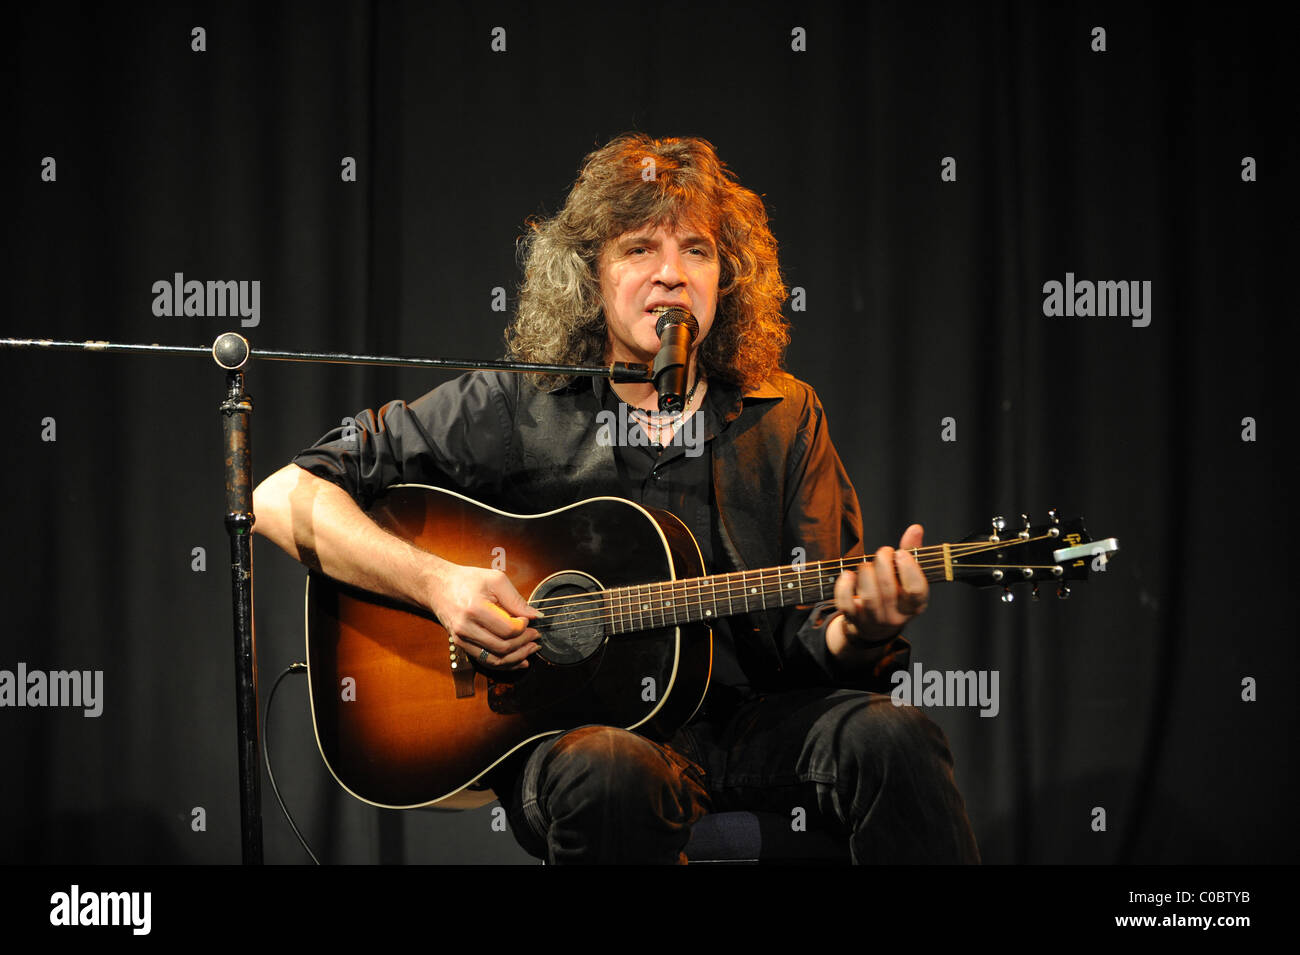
(457, 436)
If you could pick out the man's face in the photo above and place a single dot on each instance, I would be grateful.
(651, 266)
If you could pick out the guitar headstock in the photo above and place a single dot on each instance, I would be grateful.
(1057, 551)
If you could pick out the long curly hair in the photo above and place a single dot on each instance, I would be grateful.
(631, 182)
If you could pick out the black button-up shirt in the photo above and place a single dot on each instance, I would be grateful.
(676, 477)
(771, 483)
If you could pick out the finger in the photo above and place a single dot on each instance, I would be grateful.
(885, 580)
(914, 588)
(484, 639)
(912, 538)
(497, 621)
(845, 587)
(846, 601)
(508, 597)
(519, 656)
(474, 652)
(515, 659)
(528, 638)
(867, 599)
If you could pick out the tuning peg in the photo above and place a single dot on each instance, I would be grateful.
(1055, 529)
(1007, 595)
(999, 525)
(1063, 592)
(1024, 531)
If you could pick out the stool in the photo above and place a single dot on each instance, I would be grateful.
(761, 838)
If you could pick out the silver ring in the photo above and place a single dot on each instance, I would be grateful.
(482, 657)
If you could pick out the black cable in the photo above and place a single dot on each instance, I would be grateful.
(266, 753)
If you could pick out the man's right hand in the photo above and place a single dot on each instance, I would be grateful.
(318, 523)
(482, 610)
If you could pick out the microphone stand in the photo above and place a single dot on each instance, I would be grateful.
(232, 352)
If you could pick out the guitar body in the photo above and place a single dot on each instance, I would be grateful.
(405, 720)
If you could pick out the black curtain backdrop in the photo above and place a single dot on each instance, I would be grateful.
(922, 300)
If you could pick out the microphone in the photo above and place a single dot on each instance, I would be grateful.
(676, 329)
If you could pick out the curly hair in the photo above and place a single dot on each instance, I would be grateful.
(560, 319)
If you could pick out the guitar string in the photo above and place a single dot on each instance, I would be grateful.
(607, 612)
(933, 559)
(778, 577)
(644, 615)
(607, 608)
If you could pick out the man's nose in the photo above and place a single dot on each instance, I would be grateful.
(670, 270)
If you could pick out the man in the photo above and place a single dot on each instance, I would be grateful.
(788, 722)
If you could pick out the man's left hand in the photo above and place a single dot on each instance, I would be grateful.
(880, 597)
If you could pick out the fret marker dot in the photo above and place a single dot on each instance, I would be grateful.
(753, 590)
(789, 586)
(708, 613)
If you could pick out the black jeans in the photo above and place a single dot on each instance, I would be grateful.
(877, 774)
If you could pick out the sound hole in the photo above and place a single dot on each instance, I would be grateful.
(572, 629)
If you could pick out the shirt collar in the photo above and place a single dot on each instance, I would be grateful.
(731, 400)
(727, 399)
(764, 390)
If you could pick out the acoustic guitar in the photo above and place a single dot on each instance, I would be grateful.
(404, 719)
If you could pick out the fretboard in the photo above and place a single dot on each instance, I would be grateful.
(695, 599)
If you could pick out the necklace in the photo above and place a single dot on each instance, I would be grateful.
(669, 420)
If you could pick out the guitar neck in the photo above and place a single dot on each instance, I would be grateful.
(1060, 551)
(696, 599)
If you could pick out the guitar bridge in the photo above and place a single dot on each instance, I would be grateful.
(462, 674)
